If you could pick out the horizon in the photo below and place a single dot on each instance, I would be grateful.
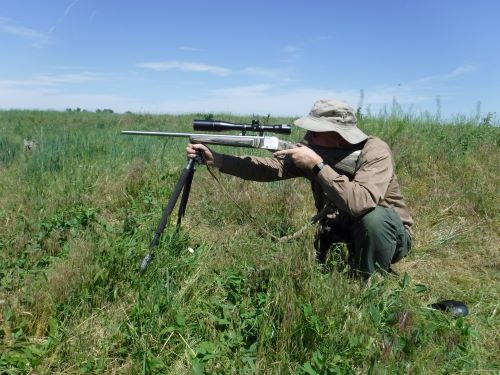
(254, 58)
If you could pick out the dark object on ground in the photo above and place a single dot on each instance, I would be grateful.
(455, 308)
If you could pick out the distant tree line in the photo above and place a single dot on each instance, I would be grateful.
(98, 110)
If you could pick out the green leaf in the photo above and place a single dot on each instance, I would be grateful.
(375, 315)
(405, 281)
(318, 359)
(309, 369)
(420, 288)
(198, 368)
(180, 320)
(307, 309)
(154, 363)
(53, 327)
(205, 351)
(168, 329)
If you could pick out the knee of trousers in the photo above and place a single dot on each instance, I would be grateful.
(376, 234)
(376, 222)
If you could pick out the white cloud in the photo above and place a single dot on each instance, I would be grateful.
(257, 99)
(52, 91)
(243, 91)
(280, 75)
(18, 98)
(50, 80)
(290, 54)
(267, 73)
(320, 38)
(68, 8)
(66, 67)
(189, 49)
(455, 73)
(280, 100)
(291, 49)
(65, 14)
(37, 37)
(54, 79)
(185, 66)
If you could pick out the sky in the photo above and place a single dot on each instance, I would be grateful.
(250, 57)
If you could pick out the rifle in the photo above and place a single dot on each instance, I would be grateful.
(345, 161)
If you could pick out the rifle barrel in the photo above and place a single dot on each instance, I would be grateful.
(156, 133)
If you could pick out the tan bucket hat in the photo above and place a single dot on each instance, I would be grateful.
(329, 115)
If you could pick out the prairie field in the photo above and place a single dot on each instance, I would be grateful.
(79, 204)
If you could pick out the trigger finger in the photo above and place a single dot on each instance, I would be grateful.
(281, 152)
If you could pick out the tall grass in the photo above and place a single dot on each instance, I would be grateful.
(77, 214)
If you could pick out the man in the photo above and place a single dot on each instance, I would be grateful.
(366, 211)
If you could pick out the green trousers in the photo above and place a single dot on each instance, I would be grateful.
(375, 240)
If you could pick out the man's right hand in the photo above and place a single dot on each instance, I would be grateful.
(209, 157)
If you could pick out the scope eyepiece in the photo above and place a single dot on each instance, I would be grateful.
(209, 125)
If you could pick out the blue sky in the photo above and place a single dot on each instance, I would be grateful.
(252, 57)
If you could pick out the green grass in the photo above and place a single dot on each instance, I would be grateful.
(78, 212)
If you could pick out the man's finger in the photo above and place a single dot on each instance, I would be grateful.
(289, 151)
(199, 146)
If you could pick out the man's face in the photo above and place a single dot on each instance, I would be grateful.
(326, 139)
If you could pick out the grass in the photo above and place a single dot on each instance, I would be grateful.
(77, 214)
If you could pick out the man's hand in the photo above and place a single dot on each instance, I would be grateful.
(209, 157)
(302, 156)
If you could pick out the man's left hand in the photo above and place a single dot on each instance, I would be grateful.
(302, 156)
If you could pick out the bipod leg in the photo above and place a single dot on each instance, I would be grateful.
(185, 195)
(187, 174)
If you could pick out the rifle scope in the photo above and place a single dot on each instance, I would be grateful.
(255, 126)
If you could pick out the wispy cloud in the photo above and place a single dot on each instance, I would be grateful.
(291, 49)
(288, 100)
(261, 72)
(271, 96)
(68, 8)
(320, 38)
(291, 53)
(67, 67)
(189, 49)
(9, 26)
(55, 79)
(61, 91)
(455, 73)
(51, 80)
(49, 98)
(254, 99)
(185, 66)
(282, 76)
(419, 94)
(244, 91)
(38, 38)
(65, 14)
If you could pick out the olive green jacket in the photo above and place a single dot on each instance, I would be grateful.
(374, 183)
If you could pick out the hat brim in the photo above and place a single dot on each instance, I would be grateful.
(351, 133)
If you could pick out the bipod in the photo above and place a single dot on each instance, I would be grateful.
(184, 185)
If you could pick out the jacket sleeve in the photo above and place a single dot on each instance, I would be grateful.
(259, 168)
(369, 185)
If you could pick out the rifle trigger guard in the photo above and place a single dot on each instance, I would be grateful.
(199, 158)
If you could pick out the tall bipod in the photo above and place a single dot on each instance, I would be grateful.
(184, 185)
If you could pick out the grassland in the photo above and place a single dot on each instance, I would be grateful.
(78, 211)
